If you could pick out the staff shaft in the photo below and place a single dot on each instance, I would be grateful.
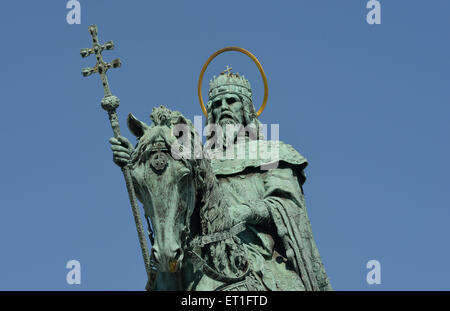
(110, 104)
(132, 196)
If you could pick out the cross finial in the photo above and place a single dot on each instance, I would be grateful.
(101, 67)
(228, 70)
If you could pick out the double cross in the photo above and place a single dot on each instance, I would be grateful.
(110, 103)
(101, 67)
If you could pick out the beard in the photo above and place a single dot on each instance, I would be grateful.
(230, 130)
(229, 125)
(223, 122)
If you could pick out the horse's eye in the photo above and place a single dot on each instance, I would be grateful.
(177, 134)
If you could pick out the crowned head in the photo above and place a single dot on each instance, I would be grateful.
(230, 101)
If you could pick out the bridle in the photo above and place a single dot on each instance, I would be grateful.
(189, 244)
(158, 161)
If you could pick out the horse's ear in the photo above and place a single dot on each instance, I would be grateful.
(137, 127)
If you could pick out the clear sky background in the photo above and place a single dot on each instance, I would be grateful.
(367, 105)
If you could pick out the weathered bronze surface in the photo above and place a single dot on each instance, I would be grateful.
(216, 222)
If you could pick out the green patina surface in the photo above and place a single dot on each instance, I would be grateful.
(186, 198)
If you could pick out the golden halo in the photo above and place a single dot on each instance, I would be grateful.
(255, 60)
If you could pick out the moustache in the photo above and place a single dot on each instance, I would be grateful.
(227, 115)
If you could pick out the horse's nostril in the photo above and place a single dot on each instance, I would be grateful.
(178, 254)
(175, 261)
(155, 255)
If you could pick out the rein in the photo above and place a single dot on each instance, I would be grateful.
(201, 241)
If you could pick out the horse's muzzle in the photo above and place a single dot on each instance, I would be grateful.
(173, 266)
(169, 261)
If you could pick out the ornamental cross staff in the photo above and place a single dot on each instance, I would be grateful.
(110, 103)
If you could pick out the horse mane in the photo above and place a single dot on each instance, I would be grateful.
(226, 256)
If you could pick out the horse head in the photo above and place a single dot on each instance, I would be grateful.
(165, 172)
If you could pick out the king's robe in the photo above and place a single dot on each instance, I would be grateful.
(282, 249)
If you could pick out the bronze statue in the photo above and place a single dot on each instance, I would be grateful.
(219, 222)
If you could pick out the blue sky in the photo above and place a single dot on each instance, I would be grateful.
(368, 105)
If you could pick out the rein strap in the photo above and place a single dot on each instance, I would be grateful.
(201, 241)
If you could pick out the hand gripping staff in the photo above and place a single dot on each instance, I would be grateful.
(110, 103)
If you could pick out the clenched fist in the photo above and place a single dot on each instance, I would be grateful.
(122, 149)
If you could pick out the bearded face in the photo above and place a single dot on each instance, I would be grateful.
(227, 109)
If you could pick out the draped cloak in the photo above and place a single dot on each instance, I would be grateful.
(271, 174)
